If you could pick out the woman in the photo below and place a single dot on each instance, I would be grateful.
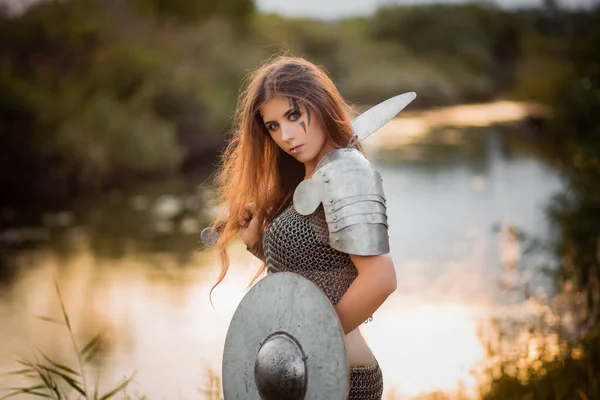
(289, 117)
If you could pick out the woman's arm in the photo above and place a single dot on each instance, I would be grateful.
(376, 280)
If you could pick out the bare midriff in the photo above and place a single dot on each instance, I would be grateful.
(357, 350)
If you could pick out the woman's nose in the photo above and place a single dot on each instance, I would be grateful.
(287, 133)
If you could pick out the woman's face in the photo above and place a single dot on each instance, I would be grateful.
(296, 129)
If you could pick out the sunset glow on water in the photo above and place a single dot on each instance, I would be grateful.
(128, 271)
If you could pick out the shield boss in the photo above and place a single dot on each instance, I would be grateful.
(285, 341)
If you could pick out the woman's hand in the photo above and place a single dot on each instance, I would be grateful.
(250, 226)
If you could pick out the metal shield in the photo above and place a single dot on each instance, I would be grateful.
(285, 341)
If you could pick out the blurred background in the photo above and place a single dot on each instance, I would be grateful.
(113, 114)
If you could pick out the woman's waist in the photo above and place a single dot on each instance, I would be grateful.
(358, 352)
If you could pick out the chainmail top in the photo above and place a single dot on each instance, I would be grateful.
(300, 243)
(366, 383)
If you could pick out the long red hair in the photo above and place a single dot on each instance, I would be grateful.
(253, 167)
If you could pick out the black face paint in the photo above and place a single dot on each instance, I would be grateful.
(295, 105)
(296, 108)
(308, 114)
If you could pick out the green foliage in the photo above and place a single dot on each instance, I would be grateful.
(574, 376)
(475, 40)
(86, 91)
(317, 41)
(96, 93)
(423, 30)
(572, 140)
(53, 40)
(190, 12)
(181, 11)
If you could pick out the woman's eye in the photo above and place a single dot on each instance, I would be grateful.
(272, 127)
(294, 116)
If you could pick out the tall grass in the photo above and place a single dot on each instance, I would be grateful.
(56, 380)
(212, 386)
(574, 374)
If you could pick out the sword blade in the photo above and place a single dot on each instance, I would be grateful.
(377, 116)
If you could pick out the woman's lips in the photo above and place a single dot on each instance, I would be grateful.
(296, 149)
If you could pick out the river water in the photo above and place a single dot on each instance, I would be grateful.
(130, 264)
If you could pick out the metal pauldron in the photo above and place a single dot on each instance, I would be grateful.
(354, 203)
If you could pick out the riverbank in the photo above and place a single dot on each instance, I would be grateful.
(412, 127)
(409, 128)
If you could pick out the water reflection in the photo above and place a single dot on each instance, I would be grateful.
(132, 262)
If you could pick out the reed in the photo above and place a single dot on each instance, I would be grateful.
(56, 380)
